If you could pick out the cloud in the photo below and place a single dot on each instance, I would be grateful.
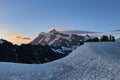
(19, 37)
(58, 29)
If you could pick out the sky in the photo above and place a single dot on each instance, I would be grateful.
(22, 20)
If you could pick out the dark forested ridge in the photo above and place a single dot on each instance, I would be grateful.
(27, 53)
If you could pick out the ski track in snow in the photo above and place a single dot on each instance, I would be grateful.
(91, 61)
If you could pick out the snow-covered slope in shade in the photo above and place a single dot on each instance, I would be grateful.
(91, 61)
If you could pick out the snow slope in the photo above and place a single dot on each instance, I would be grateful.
(91, 61)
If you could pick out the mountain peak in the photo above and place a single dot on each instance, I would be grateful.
(53, 30)
(57, 29)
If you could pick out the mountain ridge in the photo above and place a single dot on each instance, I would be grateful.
(58, 40)
(27, 53)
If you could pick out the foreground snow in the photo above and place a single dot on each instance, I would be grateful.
(91, 61)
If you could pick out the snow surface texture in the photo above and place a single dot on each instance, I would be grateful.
(91, 61)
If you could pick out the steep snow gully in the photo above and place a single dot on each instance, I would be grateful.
(91, 61)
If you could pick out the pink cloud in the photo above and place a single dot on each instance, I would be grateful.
(19, 37)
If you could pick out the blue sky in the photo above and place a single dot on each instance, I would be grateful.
(30, 17)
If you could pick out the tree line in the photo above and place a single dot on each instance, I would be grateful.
(103, 38)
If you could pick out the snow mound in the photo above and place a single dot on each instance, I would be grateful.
(91, 61)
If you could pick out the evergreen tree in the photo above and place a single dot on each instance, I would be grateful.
(110, 38)
(113, 38)
(104, 38)
(95, 39)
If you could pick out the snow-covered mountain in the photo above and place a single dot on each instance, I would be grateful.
(62, 40)
(91, 61)
(55, 37)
